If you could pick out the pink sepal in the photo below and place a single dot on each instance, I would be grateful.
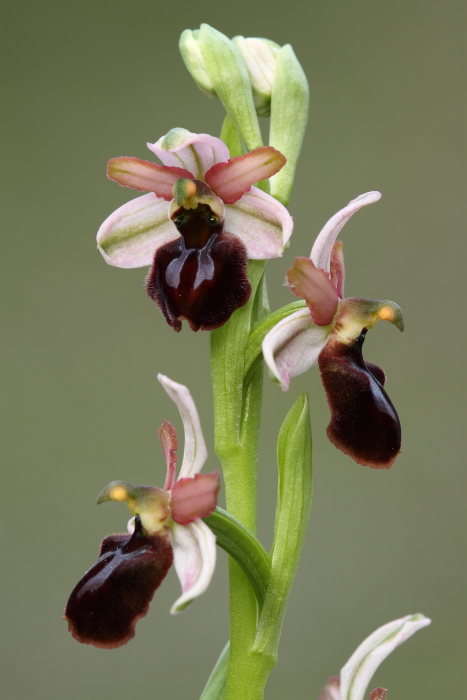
(144, 176)
(232, 179)
(338, 268)
(130, 236)
(195, 497)
(168, 437)
(195, 152)
(263, 224)
(313, 285)
(332, 689)
(322, 248)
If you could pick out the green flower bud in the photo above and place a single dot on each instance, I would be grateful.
(218, 68)
(260, 58)
(289, 116)
(191, 54)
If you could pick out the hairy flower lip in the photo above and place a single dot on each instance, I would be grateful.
(106, 604)
(115, 592)
(364, 423)
(207, 287)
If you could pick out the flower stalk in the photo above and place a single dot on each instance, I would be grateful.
(236, 446)
(213, 214)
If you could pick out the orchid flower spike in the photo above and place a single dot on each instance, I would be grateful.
(330, 332)
(166, 528)
(197, 227)
(357, 673)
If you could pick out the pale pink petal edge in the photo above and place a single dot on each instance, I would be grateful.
(322, 247)
(197, 153)
(261, 222)
(293, 346)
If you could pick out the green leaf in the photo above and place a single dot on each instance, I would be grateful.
(215, 688)
(292, 513)
(244, 547)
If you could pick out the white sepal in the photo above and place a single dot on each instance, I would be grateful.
(357, 673)
(322, 247)
(194, 549)
(195, 452)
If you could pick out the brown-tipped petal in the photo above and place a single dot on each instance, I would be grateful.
(144, 176)
(313, 285)
(364, 423)
(115, 593)
(232, 179)
(378, 694)
(203, 285)
(168, 437)
(195, 497)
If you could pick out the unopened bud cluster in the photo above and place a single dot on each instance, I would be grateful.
(253, 77)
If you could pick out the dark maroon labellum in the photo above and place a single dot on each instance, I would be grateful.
(201, 276)
(115, 593)
(364, 423)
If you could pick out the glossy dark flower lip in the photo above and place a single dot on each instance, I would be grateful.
(198, 226)
(200, 277)
(115, 593)
(330, 332)
(166, 528)
(364, 423)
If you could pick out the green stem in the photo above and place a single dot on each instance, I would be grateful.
(237, 415)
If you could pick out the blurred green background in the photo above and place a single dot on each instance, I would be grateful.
(86, 81)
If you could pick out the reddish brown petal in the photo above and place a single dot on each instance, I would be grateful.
(313, 285)
(195, 497)
(364, 423)
(145, 176)
(338, 268)
(232, 179)
(115, 593)
(168, 437)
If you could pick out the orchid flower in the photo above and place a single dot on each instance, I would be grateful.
(166, 528)
(197, 227)
(360, 668)
(330, 332)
